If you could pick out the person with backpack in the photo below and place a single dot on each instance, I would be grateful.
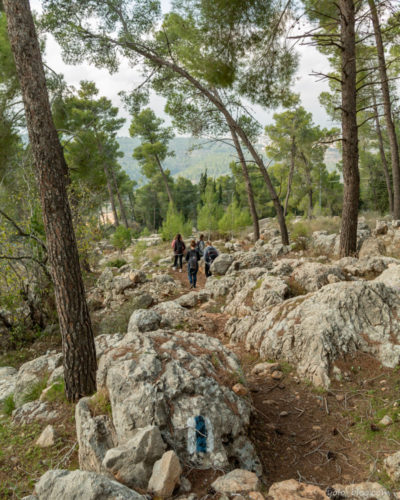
(201, 245)
(192, 259)
(210, 254)
(179, 247)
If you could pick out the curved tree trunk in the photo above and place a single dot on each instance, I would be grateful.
(167, 188)
(391, 131)
(385, 166)
(351, 176)
(111, 196)
(249, 187)
(120, 203)
(79, 355)
(290, 179)
(310, 192)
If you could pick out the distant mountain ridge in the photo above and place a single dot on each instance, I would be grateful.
(187, 162)
(193, 156)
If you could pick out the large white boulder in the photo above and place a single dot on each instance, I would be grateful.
(221, 264)
(312, 276)
(177, 380)
(314, 330)
(8, 380)
(77, 484)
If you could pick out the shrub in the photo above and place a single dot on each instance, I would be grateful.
(121, 238)
(234, 218)
(35, 390)
(56, 392)
(99, 404)
(8, 405)
(116, 263)
(173, 224)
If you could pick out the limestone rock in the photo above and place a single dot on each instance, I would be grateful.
(78, 484)
(293, 490)
(172, 314)
(96, 435)
(381, 227)
(166, 474)
(132, 462)
(324, 242)
(372, 247)
(35, 411)
(265, 368)
(8, 380)
(193, 299)
(314, 330)
(392, 466)
(170, 378)
(144, 320)
(386, 421)
(390, 276)
(312, 275)
(219, 287)
(236, 481)
(47, 438)
(221, 264)
(33, 372)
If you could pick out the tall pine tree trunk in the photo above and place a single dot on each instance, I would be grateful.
(290, 179)
(165, 180)
(79, 355)
(351, 176)
(385, 166)
(120, 203)
(111, 195)
(394, 146)
(249, 187)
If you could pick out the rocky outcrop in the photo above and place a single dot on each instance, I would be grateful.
(392, 466)
(293, 490)
(57, 484)
(311, 276)
(34, 372)
(177, 381)
(166, 475)
(34, 411)
(96, 435)
(372, 247)
(221, 264)
(236, 481)
(8, 380)
(132, 462)
(313, 330)
(47, 438)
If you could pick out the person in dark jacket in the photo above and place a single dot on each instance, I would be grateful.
(210, 254)
(193, 259)
(201, 245)
(179, 249)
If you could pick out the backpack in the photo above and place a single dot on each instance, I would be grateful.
(193, 260)
(179, 247)
(212, 254)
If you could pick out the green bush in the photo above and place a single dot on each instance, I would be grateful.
(121, 238)
(56, 392)
(145, 232)
(173, 224)
(35, 391)
(8, 405)
(234, 218)
(116, 263)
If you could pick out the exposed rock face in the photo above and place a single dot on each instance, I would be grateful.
(221, 264)
(250, 260)
(366, 266)
(33, 372)
(58, 484)
(236, 481)
(293, 490)
(390, 277)
(219, 287)
(47, 438)
(325, 242)
(312, 275)
(192, 299)
(144, 321)
(174, 380)
(313, 330)
(172, 314)
(372, 247)
(35, 411)
(166, 475)
(392, 466)
(8, 380)
(96, 435)
(132, 462)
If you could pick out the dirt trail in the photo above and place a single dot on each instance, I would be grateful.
(308, 434)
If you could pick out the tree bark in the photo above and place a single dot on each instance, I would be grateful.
(249, 187)
(391, 131)
(120, 203)
(79, 355)
(385, 166)
(291, 172)
(351, 176)
(111, 195)
(310, 191)
(171, 200)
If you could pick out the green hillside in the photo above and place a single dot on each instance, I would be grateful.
(187, 162)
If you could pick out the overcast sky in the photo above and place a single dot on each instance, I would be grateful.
(127, 78)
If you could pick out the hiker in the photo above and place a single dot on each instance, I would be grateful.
(192, 259)
(179, 249)
(210, 254)
(201, 245)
